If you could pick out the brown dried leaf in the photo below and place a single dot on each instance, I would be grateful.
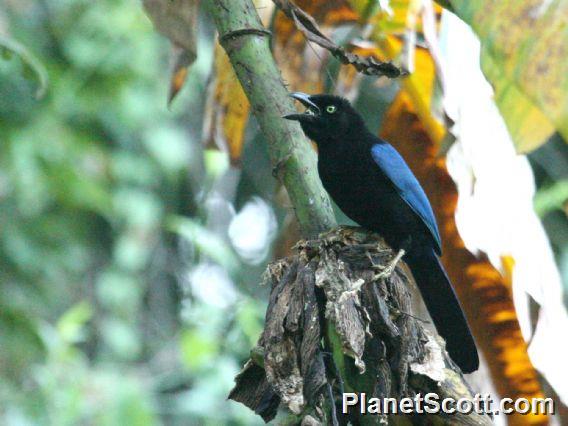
(281, 356)
(181, 61)
(303, 64)
(252, 390)
(177, 20)
(227, 110)
(308, 26)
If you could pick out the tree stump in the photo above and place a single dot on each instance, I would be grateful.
(333, 327)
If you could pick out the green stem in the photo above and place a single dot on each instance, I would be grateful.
(246, 41)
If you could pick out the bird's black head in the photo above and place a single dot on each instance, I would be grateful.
(327, 118)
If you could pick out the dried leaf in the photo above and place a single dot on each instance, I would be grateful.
(303, 65)
(227, 109)
(252, 390)
(342, 308)
(308, 26)
(177, 20)
(281, 356)
(181, 60)
(524, 55)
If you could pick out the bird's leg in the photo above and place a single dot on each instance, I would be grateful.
(387, 270)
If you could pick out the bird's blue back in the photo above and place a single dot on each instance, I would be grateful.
(407, 186)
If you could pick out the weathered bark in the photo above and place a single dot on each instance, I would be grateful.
(328, 293)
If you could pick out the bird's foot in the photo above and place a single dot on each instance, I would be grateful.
(386, 271)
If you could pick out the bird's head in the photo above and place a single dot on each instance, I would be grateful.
(326, 118)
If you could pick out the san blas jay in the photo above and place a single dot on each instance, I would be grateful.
(372, 184)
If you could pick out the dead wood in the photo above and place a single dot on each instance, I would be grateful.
(331, 328)
(308, 26)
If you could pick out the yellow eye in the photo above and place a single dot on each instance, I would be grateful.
(330, 109)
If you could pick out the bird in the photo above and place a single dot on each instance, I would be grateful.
(372, 184)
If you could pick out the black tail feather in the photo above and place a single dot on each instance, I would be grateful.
(444, 308)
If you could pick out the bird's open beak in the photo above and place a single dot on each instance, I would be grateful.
(311, 107)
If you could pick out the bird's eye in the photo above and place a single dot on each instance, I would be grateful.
(331, 109)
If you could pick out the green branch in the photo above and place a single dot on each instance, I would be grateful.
(246, 41)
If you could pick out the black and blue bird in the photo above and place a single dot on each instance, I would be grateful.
(372, 184)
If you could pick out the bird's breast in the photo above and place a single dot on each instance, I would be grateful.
(355, 183)
(365, 194)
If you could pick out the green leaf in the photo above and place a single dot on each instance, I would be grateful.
(121, 337)
(198, 348)
(6, 53)
(71, 326)
(216, 162)
(551, 198)
(524, 54)
(250, 317)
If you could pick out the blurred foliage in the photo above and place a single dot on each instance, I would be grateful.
(128, 289)
(30, 65)
(97, 319)
(523, 54)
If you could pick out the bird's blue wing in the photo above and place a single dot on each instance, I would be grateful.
(406, 184)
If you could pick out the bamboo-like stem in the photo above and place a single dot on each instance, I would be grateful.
(246, 42)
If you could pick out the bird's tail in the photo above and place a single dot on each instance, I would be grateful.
(444, 308)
